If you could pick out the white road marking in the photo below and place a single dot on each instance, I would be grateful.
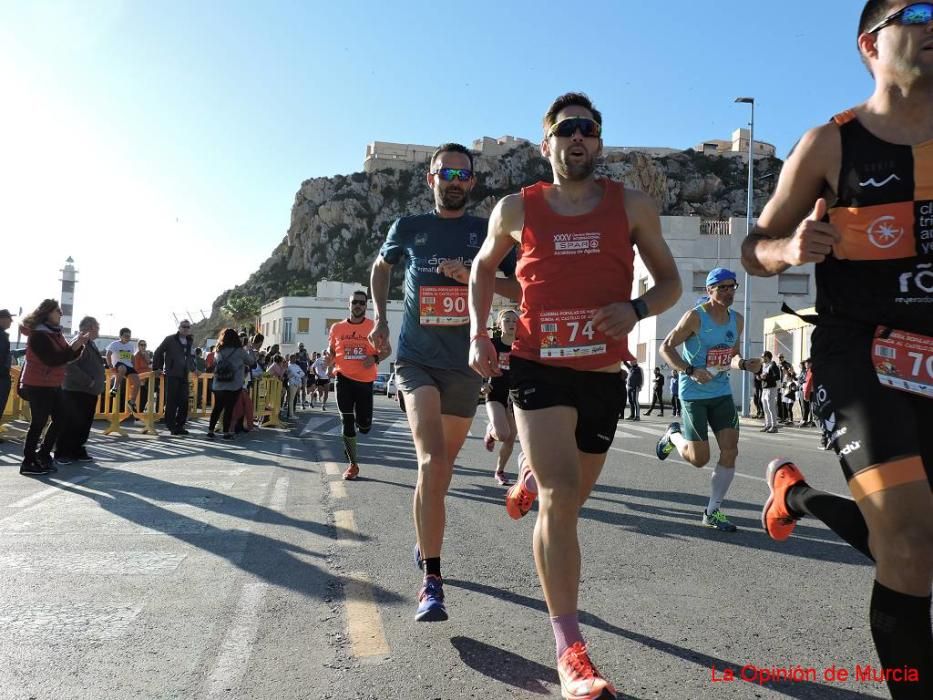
(49, 491)
(331, 468)
(234, 652)
(313, 423)
(279, 496)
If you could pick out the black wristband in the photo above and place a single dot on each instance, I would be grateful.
(376, 358)
(641, 308)
(742, 364)
(689, 370)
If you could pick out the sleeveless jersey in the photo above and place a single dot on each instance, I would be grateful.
(711, 348)
(351, 344)
(504, 352)
(881, 272)
(568, 267)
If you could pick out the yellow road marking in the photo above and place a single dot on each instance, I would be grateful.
(364, 624)
(346, 527)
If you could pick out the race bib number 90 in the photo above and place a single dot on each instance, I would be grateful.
(443, 306)
(570, 333)
(904, 361)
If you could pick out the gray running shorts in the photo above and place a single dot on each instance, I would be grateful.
(459, 388)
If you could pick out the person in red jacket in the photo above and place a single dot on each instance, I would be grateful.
(47, 353)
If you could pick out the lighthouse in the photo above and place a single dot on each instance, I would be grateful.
(67, 300)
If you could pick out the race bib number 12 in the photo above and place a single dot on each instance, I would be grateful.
(570, 333)
(904, 361)
(443, 306)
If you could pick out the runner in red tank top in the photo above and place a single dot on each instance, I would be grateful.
(855, 198)
(575, 271)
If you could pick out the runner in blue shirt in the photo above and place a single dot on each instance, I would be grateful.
(432, 368)
(711, 335)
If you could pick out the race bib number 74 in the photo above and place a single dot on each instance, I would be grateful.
(570, 333)
(904, 361)
(443, 306)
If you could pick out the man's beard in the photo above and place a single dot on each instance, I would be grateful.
(451, 199)
(575, 171)
(357, 314)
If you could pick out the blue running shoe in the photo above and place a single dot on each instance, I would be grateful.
(431, 601)
(665, 446)
(419, 562)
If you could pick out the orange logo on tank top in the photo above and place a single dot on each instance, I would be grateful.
(880, 232)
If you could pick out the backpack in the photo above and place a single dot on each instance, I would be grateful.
(223, 371)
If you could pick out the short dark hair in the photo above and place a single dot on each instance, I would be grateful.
(125, 330)
(359, 293)
(873, 12)
(451, 148)
(767, 353)
(569, 99)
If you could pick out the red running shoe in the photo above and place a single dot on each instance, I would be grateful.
(579, 679)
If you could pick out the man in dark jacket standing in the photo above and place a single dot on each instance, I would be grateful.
(175, 356)
(633, 384)
(5, 358)
(81, 390)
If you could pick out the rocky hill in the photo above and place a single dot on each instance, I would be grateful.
(338, 223)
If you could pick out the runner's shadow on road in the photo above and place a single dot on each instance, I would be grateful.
(793, 689)
(504, 666)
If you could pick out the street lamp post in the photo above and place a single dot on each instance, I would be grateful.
(748, 229)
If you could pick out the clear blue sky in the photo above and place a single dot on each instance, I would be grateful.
(163, 143)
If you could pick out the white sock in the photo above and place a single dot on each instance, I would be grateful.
(720, 482)
(679, 441)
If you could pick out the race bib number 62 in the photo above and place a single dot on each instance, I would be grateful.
(904, 361)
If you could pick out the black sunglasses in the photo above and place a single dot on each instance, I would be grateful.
(589, 128)
(918, 13)
(358, 302)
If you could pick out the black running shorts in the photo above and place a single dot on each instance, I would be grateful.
(597, 396)
(866, 422)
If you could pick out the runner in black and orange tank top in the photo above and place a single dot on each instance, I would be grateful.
(870, 234)
(575, 270)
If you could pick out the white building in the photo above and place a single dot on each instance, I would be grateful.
(698, 246)
(288, 321)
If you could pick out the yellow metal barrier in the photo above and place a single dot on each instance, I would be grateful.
(265, 394)
(15, 407)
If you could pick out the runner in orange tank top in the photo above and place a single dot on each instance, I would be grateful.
(356, 362)
(575, 271)
(855, 198)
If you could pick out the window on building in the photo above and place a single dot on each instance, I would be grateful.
(275, 327)
(699, 281)
(328, 322)
(791, 283)
(304, 325)
(286, 330)
(641, 350)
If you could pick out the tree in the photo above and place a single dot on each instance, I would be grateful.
(242, 309)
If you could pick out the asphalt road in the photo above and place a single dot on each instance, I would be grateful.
(182, 568)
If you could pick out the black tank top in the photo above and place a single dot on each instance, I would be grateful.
(881, 272)
(504, 353)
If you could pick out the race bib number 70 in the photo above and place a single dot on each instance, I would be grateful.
(904, 361)
(570, 333)
(443, 306)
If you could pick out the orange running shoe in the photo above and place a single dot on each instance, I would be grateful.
(579, 679)
(518, 499)
(776, 518)
(352, 472)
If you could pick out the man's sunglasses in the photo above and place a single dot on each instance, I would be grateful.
(448, 174)
(358, 302)
(589, 128)
(726, 287)
(918, 13)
